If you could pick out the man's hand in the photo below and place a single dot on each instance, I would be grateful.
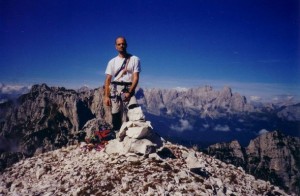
(127, 96)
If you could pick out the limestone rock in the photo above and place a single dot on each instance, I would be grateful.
(75, 172)
(136, 114)
(271, 156)
(48, 118)
(134, 143)
(135, 129)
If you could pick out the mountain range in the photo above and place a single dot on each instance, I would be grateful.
(205, 116)
(48, 118)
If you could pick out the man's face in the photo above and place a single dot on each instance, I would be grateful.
(121, 45)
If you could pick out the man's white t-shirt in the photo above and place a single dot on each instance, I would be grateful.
(115, 64)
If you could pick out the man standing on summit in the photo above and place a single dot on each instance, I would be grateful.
(122, 77)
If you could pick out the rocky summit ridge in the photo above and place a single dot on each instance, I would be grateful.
(171, 170)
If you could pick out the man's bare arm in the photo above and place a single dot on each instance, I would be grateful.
(135, 81)
(107, 90)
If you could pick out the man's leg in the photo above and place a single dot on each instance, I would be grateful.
(117, 121)
(116, 109)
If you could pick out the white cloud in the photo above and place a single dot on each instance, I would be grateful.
(238, 129)
(3, 100)
(283, 98)
(184, 125)
(255, 98)
(181, 88)
(263, 131)
(222, 128)
(13, 89)
(206, 126)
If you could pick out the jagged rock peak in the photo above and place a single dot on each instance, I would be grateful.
(227, 90)
(44, 87)
(48, 117)
(39, 87)
(204, 100)
(270, 141)
(83, 89)
(271, 156)
(277, 152)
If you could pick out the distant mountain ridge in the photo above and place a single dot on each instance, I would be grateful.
(210, 103)
(206, 102)
(208, 115)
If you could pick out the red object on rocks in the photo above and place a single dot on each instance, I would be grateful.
(102, 134)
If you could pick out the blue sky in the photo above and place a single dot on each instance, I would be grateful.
(250, 45)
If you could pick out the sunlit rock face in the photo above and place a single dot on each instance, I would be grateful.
(202, 101)
(272, 156)
(47, 118)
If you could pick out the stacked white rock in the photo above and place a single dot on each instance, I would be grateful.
(135, 136)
